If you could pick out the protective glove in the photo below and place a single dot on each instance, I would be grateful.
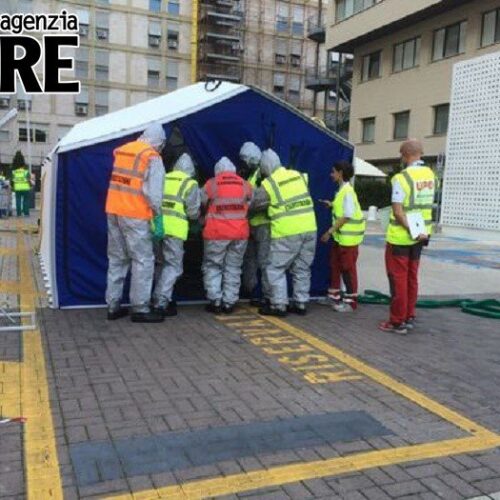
(157, 228)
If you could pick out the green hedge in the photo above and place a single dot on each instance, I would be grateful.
(373, 192)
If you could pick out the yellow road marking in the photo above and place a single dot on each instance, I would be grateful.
(43, 480)
(6, 251)
(16, 287)
(10, 376)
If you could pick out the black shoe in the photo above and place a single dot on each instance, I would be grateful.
(150, 317)
(227, 309)
(117, 314)
(213, 307)
(301, 310)
(171, 310)
(268, 310)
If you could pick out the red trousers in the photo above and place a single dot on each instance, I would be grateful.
(343, 264)
(402, 263)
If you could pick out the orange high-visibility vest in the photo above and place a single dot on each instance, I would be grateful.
(125, 196)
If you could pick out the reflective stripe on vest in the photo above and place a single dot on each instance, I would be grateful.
(353, 231)
(125, 194)
(291, 208)
(419, 185)
(175, 190)
(19, 178)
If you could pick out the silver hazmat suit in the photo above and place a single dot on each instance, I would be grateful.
(222, 259)
(172, 248)
(291, 253)
(260, 235)
(130, 245)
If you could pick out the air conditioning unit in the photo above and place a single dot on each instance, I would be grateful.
(102, 34)
(84, 30)
(173, 44)
(154, 41)
(81, 109)
(4, 102)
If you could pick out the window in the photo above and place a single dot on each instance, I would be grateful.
(4, 101)
(102, 65)
(368, 133)
(371, 66)
(101, 102)
(298, 20)
(279, 84)
(441, 114)
(82, 63)
(39, 133)
(406, 55)
(154, 73)
(401, 125)
(173, 36)
(296, 53)
(155, 5)
(347, 8)
(24, 101)
(102, 25)
(82, 102)
(294, 89)
(172, 75)
(154, 34)
(282, 17)
(173, 7)
(281, 51)
(4, 136)
(83, 19)
(491, 28)
(449, 41)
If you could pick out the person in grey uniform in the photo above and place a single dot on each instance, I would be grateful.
(285, 195)
(226, 198)
(260, 233)
(134, 198)
(181, 203)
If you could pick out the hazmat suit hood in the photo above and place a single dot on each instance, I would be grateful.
(269, 162)
(224, 165)
(251, 154)
(185, 164)
(154, 135)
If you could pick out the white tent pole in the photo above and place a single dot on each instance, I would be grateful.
(28, 125)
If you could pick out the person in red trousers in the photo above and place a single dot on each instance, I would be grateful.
(413, 192)
(347, 231)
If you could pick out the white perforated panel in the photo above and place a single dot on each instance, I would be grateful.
(471, 196)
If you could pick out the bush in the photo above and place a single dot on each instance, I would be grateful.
(373, 192)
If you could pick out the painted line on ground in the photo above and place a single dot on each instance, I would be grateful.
(42, 474)
(481, 439)
(10, 380)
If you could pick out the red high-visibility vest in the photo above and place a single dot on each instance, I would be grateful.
(125, 196)
(229, 196)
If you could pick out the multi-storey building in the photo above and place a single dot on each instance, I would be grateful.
(404, 54)
(132, 50)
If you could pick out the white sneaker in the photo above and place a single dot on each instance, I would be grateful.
(342, 308)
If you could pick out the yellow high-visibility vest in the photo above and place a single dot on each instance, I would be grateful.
(291, 208)
(352, 232)
(419, 185)
(259, 218)
(20, 180)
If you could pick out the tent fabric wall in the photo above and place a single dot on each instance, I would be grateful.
(83, 175)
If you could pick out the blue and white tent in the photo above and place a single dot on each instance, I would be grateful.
(212, 123)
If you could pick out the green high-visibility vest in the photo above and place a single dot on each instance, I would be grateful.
(352, 232)
(259, 218)
(176, 188)
(291, 208)
(419, 185)
(20, 180)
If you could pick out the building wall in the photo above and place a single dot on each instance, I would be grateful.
(130, 56)
(418, 89)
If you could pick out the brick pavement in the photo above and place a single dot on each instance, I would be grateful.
(115, 383)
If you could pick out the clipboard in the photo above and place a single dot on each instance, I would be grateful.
(416, 224)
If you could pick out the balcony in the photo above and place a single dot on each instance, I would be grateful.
(316, 30)
(217, 71)
(325, 78)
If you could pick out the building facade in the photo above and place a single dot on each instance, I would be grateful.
(132, 50)
(404, 54)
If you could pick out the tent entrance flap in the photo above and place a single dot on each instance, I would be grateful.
(80, 226)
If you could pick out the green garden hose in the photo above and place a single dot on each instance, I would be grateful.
(484, 308)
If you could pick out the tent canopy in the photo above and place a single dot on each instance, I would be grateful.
(364, 169)
(207, 124)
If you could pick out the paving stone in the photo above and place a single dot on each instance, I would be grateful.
(425, 470)
(404, 488)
